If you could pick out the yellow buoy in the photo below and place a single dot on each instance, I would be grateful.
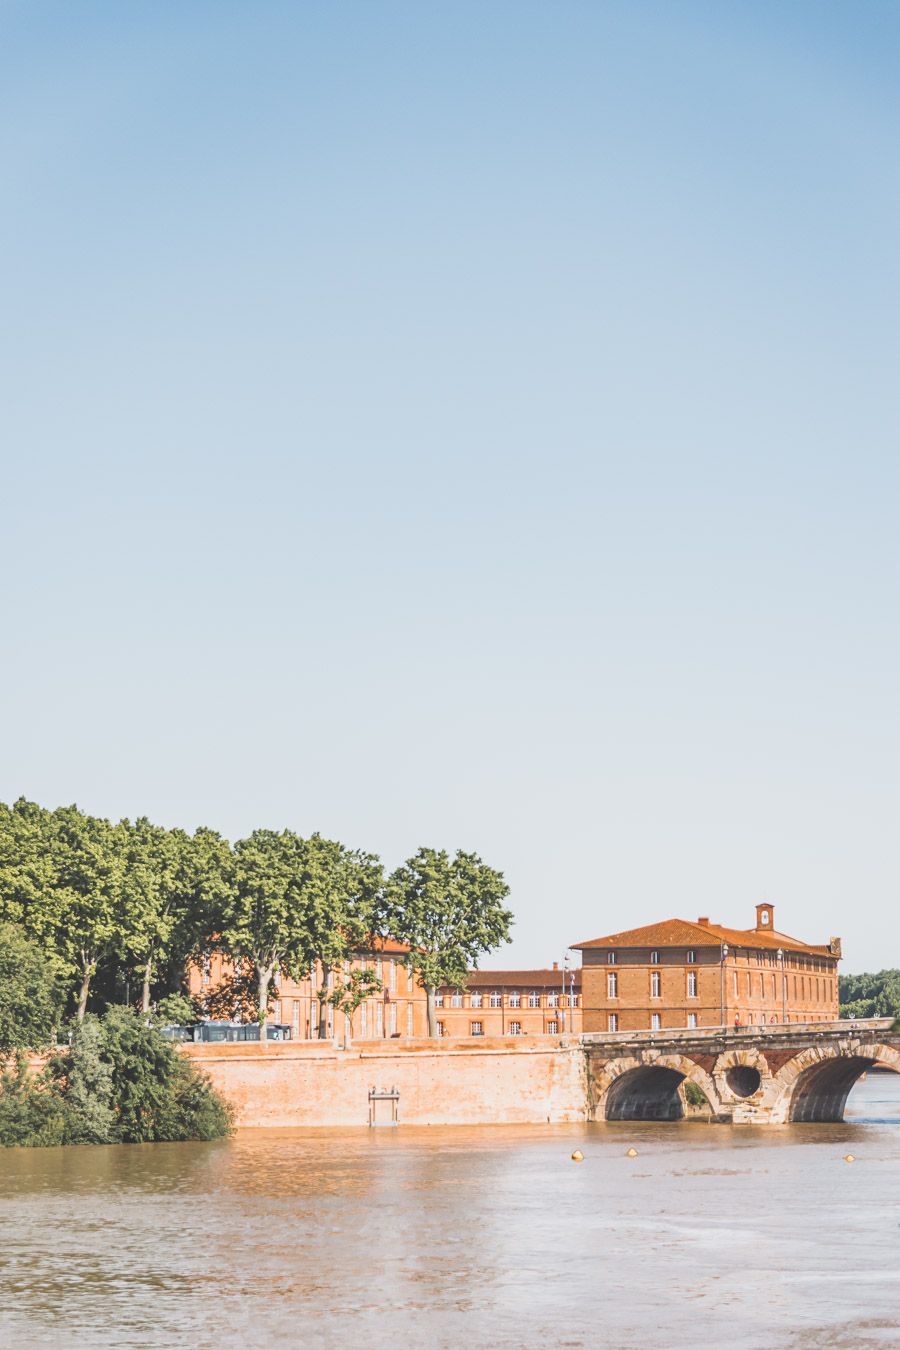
(848, 1157)
(578, 1156)
(632, 1153)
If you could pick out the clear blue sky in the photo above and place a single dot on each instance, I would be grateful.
(469, 424)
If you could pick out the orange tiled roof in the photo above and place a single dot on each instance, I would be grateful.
(681, 932)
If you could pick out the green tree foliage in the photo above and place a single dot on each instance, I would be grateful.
(119, 1082)
(450, 912)
(350, 989)
(31, 992)
(870, 995)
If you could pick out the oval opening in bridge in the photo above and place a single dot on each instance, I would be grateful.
(743, 1080)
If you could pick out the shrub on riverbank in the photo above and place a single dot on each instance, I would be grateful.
(119, 1082)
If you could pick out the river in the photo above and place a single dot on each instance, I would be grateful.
(482, 1237)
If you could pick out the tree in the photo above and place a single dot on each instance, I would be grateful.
(81, 909)
(870, 995)
(449, 912)
(354, 988)
(31, 992)
(171, 882)
(265, 920)
(341, 891)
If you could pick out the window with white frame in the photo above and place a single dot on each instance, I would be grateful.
(393, 973)
(409, 1019)
(691, 957)
(440, 1028)
(456, 1000)
(393, 1018)
(475, 1000)
(496, 999)
(655, 1022)
(692, 1019)
(612, 984)
(572, 1000)
(611, 958)
(692, 984)
(613, 1021)
(515, 999)
(655, 984)
(439, 1000)
(534, 1000)
(515, 1029)
(553, 1000)
(476, 1028)
(654, 958)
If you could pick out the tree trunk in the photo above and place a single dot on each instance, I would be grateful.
(145, 993)
(86, 973)
(432, 1017)
(264, 978)
(323, 1016)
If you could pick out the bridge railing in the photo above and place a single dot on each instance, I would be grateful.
(771, 1031)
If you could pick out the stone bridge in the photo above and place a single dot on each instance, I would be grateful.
(750, 1075)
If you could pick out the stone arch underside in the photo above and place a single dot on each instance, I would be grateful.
(636, 1090)
(818, 1084)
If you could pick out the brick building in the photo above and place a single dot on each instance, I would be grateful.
(494, 1003)
(679, 974)
(512, 1003)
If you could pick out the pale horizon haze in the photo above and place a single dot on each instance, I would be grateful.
(470, 425)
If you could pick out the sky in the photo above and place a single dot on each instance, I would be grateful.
(472, 425)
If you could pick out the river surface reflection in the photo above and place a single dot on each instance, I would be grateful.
(713, 1235)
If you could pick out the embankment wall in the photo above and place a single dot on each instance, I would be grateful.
(440, 1082)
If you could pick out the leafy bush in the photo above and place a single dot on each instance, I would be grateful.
(869, 995)
(693, 1095)
(31, 992)
(119, 1082)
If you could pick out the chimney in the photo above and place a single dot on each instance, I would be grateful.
(704, 920)
(765, 919)
(556, 965)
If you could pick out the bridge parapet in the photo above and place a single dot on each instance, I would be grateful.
(764, 1075)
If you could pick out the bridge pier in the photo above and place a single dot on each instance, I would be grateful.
(770, 1075)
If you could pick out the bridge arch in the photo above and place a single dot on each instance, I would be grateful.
(817, 1082)
(647, 1089)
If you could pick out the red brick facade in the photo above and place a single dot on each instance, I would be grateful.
(679, 974)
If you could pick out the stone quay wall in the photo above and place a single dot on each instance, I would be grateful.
(531, 1080)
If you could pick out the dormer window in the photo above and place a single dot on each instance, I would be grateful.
(654, 958)
(611, 958)
(691, 956)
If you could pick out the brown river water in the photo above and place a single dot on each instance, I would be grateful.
(711, 1236)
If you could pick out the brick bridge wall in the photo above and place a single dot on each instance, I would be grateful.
(760, 1075)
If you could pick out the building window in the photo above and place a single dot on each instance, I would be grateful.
(496, 1000)
(476, 1029)
(440, 1028)
(475, 1000)
(692, 1019)
(409, 1019)
(534, 1000)
(553, 1000)
(613, 1021)
(515, 1000)
(655, 984)
(206, 966)
(691, 957)
(456, 1000)
(439, 1000)
(654, 958)
(393, 973)
(612, 985)
(365, 1019)
(552, 1028)
(573, 1000)
(515, 1029)
(393, 1018)
(692, 984)
(655, 1022)
(611, 958)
